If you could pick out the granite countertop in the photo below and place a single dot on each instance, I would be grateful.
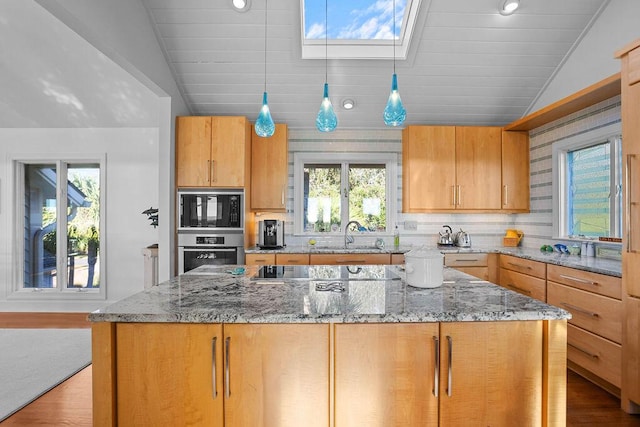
(212, 294)
(609, 267)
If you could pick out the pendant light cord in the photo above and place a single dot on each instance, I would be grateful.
(326, 30)
(266, 2)
(394, 36)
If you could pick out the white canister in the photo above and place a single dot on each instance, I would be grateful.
(424, 268)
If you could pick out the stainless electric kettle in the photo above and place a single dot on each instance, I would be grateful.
(463, 239)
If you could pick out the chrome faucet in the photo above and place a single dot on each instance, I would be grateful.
(349, 239)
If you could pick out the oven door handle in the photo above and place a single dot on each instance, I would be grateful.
(209, 249)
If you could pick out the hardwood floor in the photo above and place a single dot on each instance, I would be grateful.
(70, 403)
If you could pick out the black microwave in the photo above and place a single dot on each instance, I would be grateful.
(210, 209)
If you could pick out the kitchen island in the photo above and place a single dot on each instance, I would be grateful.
(328, 345)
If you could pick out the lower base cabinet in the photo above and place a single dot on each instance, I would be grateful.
(411, 374)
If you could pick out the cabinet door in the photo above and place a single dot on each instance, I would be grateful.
(631, 356)
(428, 163)
(169, 374)
(277, 375)
(495, 372)
(515, 171)
(478, 167)
(269, 170)
(230, 143)
(193, 151)
(384, 375)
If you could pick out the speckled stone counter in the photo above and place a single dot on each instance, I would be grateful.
(364, 294)
(593, 264)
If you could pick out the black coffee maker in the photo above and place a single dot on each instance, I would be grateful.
(271, 234)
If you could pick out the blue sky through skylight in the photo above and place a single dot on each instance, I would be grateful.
(353, 19)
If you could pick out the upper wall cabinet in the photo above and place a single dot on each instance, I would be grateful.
(269, 170)
(447, 168)
(212, 151)
(515, 171)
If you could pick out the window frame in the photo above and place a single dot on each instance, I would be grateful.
(344, 159)
(610, 133)
(17, 289)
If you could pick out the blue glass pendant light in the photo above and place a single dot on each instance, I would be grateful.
(394, 113)
(264, 126)
(326, 121)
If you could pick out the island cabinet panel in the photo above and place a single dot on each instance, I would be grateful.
(165, 374)
(212, 151)
(276, 375)
(496, 373)
(384, 375)
(269, 170)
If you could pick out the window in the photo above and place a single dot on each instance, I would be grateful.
(333, 189)
(588, 185)
(59, 236)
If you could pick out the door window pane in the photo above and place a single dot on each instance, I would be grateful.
(40, 219)
(321, 198)
(83, 225)
(367, 196)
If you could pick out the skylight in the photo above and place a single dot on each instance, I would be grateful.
(357, 28)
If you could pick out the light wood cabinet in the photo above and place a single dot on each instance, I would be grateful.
(484, 266)
(212, 151)
(169, 374)
(260, 259)
(269, 170)
(397, 259)
(196, 374)
(353, 259)
(524, 276)
(594, 335)
(447, 168)
(386, 374)
(630, 82)
(515, 171)
(292, 259)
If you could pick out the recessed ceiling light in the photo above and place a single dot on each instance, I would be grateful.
(348, 104)
(240, 5)
(507, 7)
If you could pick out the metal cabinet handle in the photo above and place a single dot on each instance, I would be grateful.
(213, 176)
(214, 368)
(582, 350)
(467, 260)
(577, 279)
(459, 196)
(227, 346)
(351, 261)
(520, 265)
(580, 310)
(450, 367)
(506, 195)
(209, 169)
(453, 195)
(629, 203)
(436, 369)
(517, 288)
(282, 195)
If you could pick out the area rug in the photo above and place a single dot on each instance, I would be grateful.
(33, 361)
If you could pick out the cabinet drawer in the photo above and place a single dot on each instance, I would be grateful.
(526, 266)
(594, 353)
(358, 259)
(481, 273)
(260, 259)
(397, 258)
(595, 313)
(292, 259)
(593, 282)
(466, 260)
(530, 286)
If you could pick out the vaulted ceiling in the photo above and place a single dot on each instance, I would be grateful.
(466, 64)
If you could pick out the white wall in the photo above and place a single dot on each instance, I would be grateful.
(131, 187)
(592, 59)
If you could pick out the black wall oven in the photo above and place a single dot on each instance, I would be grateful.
(198, 249)
(210, 209)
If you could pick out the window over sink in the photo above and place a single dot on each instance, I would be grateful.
(334, 188)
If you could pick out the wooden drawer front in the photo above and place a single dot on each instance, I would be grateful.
(356, 259)
(292, 259)
(596, 354)
(595, 313)
(466, 260)
(481, 273)
(598, 283)
(397, 258)
(533, 287)
(526, 266)
(260, 259)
